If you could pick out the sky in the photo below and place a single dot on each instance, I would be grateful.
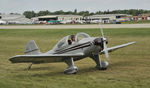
(19, 6)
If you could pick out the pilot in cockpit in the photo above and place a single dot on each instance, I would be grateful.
(72, 41)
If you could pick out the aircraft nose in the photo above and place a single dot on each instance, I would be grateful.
(98, 41)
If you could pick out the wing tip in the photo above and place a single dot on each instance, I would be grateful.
(12, 59)
(134, 42)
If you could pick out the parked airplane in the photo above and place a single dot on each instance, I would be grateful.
(69, 49)
(2, 22)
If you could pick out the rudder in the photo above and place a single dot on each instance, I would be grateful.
(31, 48)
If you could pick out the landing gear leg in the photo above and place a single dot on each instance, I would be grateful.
(71, 69)
(29, 67)
(100, 65)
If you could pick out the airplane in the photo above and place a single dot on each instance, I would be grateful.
(69, 49)
(3, 22)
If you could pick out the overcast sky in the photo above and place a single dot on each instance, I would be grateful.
(19, 6)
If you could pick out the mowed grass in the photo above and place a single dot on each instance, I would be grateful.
(129, 67)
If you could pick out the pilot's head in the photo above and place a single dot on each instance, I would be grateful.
(73, 37)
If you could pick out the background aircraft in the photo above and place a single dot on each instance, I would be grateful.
(2, 22)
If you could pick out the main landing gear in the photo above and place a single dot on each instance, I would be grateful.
(100, 65)
(29, 67)
(71, 69)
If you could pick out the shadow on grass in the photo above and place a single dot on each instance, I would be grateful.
(122, 64)
(58, 73)
(50, 71)
(61, 73)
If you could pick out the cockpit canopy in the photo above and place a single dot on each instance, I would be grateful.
(64, 42)
(80, 36)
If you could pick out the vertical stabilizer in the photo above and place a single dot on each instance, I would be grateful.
(31, 48)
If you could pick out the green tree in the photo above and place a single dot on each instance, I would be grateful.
(43, 13)
(134, 12)
(84, 13)
(60, 12)
(98, 12)
(75, 11)
(69, 13)
(29, 14)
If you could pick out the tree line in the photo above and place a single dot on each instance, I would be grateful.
(134, 12)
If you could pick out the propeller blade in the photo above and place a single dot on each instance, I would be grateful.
(105, 50)
(104, 42)
(101, 29)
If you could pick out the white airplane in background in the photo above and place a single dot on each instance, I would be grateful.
(2, 22)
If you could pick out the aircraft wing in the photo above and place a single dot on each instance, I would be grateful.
(42, 58)
(117, 47)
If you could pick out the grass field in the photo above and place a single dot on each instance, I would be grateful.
(129, 67)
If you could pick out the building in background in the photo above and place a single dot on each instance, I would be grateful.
(71, 19)
(54, 19)
(142, 17)
(1, 21)
(15, 19)
(146, 16)
(108, 18)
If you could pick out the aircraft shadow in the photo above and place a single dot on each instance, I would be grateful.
(60, 73)
(80, 71)
(54, 73)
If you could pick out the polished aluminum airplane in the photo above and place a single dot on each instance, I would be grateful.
(69, 49)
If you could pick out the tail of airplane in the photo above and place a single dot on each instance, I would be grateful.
(31, 48)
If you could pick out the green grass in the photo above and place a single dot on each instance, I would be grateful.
(129, 67)
(137, 22)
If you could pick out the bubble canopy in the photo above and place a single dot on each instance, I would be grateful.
(64, 41)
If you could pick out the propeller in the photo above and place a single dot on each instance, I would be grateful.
(104, 42)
